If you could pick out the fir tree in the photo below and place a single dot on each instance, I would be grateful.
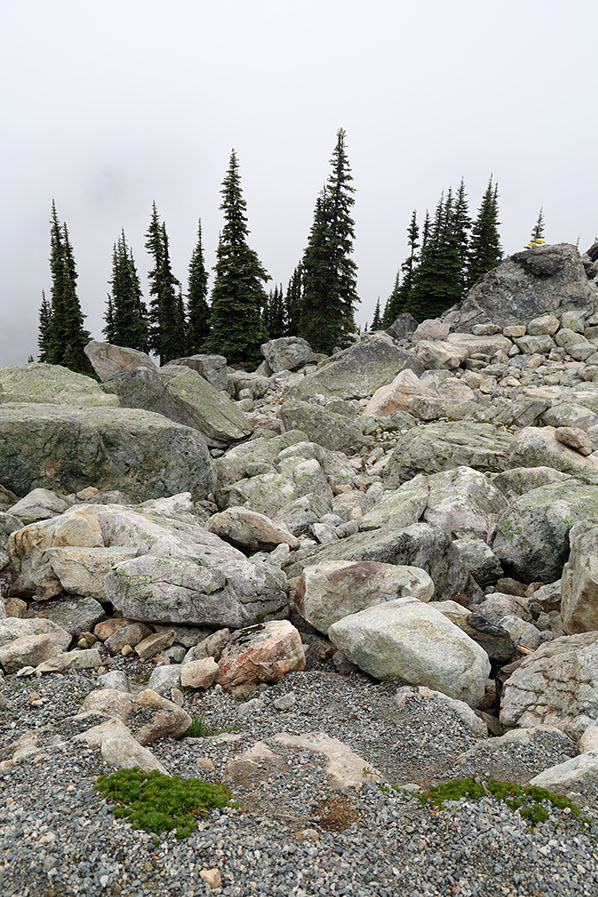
(394, 305)
(166, 316)
(329, 272)
(198, 309)
(274, 314)
(45, 318)
(126, 315)
(538, 231)
(426, 230)
(292, 302)
(461, 227)
(484, 247)
(238, 295)
(401, 293)
(436, 282)
(377, 319)
(66, 336)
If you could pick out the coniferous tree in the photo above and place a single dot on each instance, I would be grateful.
(401, 293)
(461, 227)
(198, 309)
(393, 306)
(126, 315)
(274, 314)
(538, 231)
(329, 272)
(166, 314)
(484, 246)
(426, 230)
(45, 318)
(292, 302)
(377, 319)
(66, 336)
(437, 284)
(238, 294)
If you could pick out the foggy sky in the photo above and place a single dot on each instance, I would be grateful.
(107, 107)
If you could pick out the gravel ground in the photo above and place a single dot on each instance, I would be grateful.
(292, 834)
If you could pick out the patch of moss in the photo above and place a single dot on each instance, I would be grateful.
(160, 803)
(528, 799)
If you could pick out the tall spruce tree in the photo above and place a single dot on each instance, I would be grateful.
(45, 318)
(275, 314)
(402, 290)
(437, 284)
(329, 272)
(166, 316)
(393, 303)
(292, 302)
(377, 319)
(238, 294)
(538, 231)
(198, 310)
(461, 227)
(126, 314)
(485, 251)
(66, 336)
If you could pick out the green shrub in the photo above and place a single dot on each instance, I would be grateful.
(160, 803)
(198, 729)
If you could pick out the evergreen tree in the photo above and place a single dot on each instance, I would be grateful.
(484, 247)
(426, 230)
(436, 282)
(292, 302)
(45, 318)
(377, 319)
(108, 330)
(126, 315)
(66, 336)
(166, 315)
(538, 231)
(401, 293)
(394, 305)
(461, 227)
(274, 314)
(238, 295)
(329, 272)
(197, 298)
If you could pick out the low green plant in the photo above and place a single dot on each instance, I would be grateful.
(160, 803)
(198, 729)
(528, 799)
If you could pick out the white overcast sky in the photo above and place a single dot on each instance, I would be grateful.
(108, 106)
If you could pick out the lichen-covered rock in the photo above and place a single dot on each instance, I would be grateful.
(68, 447)
(250, 530)
(109, 361)
(74, 615)
(212, 368)
(532, 536)
(333, 431)
(40, 504)
(544, 280)
(445, 445)
(51, 384)
(31, 650)
(328, 592)
(81, 571)
(286, 353)
(415, 642)
(358, 371)
(398, 507)
(463, 502)
(210, 411)
(539, 446)
(579, 585)
(556, 685)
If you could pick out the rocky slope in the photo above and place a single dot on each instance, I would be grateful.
(369, 570)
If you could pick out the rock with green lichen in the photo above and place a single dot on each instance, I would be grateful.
(69, 447)
(325, 427)
(51, 384)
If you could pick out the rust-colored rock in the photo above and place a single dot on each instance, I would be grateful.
(262, 653)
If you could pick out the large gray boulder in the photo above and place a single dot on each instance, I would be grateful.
(68, 448)
(463, 502)
(557, 685)
(579, 585)
(51, 384)
(545, 279)
(418, 545)
(109, 361)
(418, 644)
(286, 353)
(357, 372)
(532, 536)
(333, 431)
(184, 574)
(447, 444)
(212, 368)
(209, 410)
(539, 446)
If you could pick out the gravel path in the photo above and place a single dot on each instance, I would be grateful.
(288, 837)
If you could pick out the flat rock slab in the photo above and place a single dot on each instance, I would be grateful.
(109, 361)
(51, 384)
(68, 448)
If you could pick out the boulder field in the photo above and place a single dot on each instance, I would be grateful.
(414, 518)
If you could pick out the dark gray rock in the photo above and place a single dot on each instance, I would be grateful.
(75, 615)
(403, 326)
